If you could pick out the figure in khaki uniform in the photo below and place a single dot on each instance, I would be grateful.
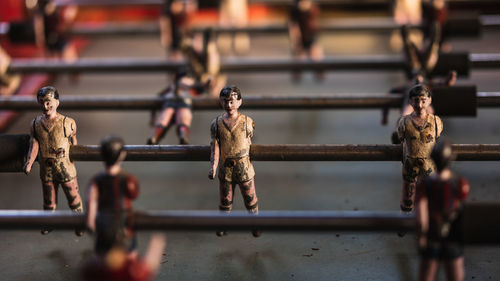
(230, 151)
(417, 132)
(52, 134)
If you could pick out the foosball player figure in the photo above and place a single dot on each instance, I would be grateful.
(111, 193)
(174, 24)
(176, 108)
(51, 24)
(52, 134)
(418, 133)
(117, 266)
(439, 204)
(9, 83)
(231, 135)
(303, 29)
(421, 60)
(203, 60)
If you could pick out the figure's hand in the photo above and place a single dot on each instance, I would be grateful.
(422, 241)
(27, 168)
(211, 174)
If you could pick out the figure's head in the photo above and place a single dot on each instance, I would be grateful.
(112, 150)
(420, 97)
(303, 5)
(48, 99)
(442, 154)
(230, 98)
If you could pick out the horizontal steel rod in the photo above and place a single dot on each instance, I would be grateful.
(359, 101)
(480, 224)
(375, 24)
(373, 4)
(212, 220)
(285, 152)
(339, 63)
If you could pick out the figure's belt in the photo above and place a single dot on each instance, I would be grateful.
(231, 161)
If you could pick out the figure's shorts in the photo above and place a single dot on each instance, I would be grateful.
(180, 102)
(443, 250)
(57, 170)
(112, 231)
(413, 168)
(237, 170)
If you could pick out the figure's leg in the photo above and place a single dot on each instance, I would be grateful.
(411, 53)
(432, 51)
(49, 200)
(316, 53)
(427, 269)
(70, 189)
(251, 202)
(226, 190)
(162, 125)
(408, 196)
(455, 269)
(184, 116)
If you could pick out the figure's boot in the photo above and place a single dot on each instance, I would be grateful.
(158, 134)
(183, 133)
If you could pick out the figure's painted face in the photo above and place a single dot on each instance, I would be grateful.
(48, 104)
(420, 103)
(231, 104)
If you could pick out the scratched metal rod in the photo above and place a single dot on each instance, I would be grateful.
(484, 99)
(211, 220)
(338, 63)
(285, 152)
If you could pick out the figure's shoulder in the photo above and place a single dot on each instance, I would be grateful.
(403, 120)
(246, 118)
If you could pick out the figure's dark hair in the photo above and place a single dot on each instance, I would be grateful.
(226, 92)
(442, 154)
(48, 90)
(111, 147)
(419, 90)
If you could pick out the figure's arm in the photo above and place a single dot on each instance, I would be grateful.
(432, 53)
(73, 133)
(32, 152)
(93, 198)
(294, 35)
(154, 252)
(439, 124)
(39, 29)
(132, 187)
(165, 31)
(401, 129)
(422, 215)
(213, 66)
(214, 151)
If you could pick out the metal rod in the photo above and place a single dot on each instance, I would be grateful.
(338, 63)
(374, 24)
(285, 152)
(343, 25)
(358, 101)
(212, 220)
(365, 4)
(480, 223)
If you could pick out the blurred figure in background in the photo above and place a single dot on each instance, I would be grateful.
(174, 25)
(51, 25)
(176, 108)
(203, 60)
(8, 82)
(109, 211)
(303, 29)
(439, 202)
(234, 13)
